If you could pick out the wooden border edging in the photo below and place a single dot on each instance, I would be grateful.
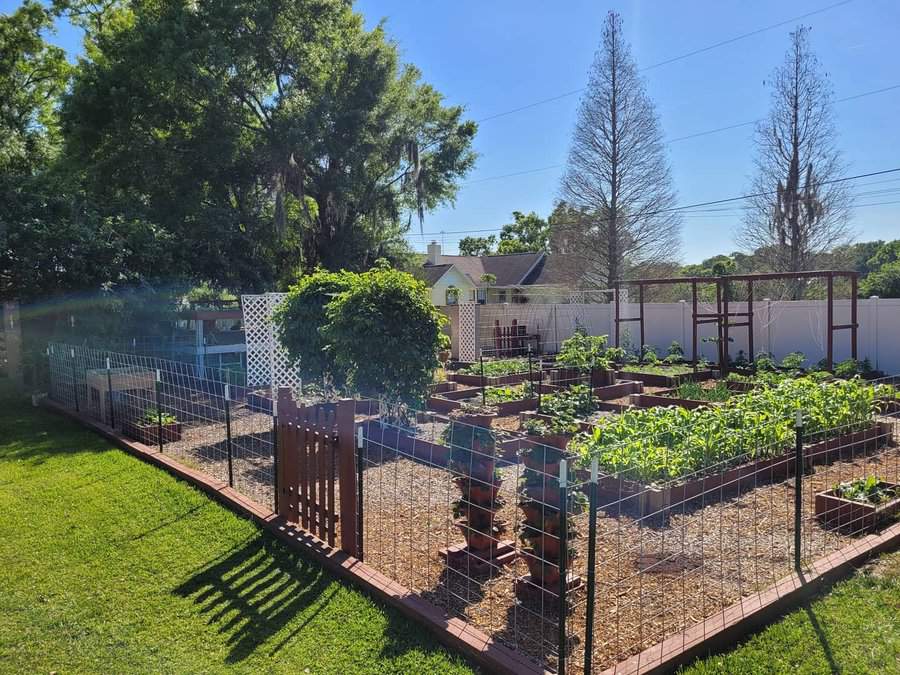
(451, 632)
(737, 622)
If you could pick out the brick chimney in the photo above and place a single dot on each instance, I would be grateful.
(434, 253)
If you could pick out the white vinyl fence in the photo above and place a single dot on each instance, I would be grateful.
(780, 327)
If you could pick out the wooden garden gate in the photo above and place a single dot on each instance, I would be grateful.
(316, 468)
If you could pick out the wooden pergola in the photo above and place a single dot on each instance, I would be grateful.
(726, 319)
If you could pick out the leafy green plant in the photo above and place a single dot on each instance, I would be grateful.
(764, 362)
(659, 369)
(793, 361)
(584, 351)
(675, 349)
(495, 368)
(869, 490)
(695, 391)
(649, 355)
(568, 405)
(517, 392)
(558, 425)
(658, 444)
(152, 416)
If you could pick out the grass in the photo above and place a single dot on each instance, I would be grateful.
(110, 565)
(855, 628)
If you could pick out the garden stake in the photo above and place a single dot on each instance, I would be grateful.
(798, 486)
(74, 381)
(159, 432)
(483, 396)
(591, 388)
(540, 383)
(227, 403)
(112, 412)
(563, 559)
(359, 493)
(591, 561)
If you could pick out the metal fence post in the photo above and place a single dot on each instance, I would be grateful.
(563, 560)
(112, 412)
(159, 429)
(360, 526)
(74, 381)
(227, 403)
(540, 385)
(275, 482)
(798, 488)
(591, 561)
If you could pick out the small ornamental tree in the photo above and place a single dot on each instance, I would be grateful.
(300, 321)
(384, 333)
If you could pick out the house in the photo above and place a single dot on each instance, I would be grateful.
(516, 277)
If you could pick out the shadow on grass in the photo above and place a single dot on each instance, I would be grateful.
(254, 592)
(823, 639)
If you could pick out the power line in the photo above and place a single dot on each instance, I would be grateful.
(673, 59)
(688, 207)
(677, 139)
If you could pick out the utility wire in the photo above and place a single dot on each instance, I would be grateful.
(673, 59)
(688, 207)
(678, 138)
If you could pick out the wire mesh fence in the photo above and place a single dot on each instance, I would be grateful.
(188, 411)
(576, 554)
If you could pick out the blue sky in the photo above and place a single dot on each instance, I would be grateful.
(495, 56)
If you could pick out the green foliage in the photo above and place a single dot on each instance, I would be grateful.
(764, 362)
(300, 142)
(869, 490)
(584, 351)
(675, 349)
(529, 233)
(477, 246)
(658, 444)
(153, 416)
(695, 391)
(673, 370)
(568, 405)
(517, 392)
(495, 368)
(558, 425)
(300, 323)
(793, 361)
(384, 333)
(649, 355)
(885, 282)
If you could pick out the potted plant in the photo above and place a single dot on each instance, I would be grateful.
(539, 502)
(473, 463)
(146, 428)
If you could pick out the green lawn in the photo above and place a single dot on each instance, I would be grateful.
(853, 629)
(110, 565)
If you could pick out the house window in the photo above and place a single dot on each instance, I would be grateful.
(501, 296)
(452, 296)
(481, 296)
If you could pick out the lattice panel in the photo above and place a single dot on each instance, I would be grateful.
(267, 361)
(468, 332)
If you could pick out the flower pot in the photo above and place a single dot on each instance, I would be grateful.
(479, 541)
(148, 433)
(542, 571)
(444, 356)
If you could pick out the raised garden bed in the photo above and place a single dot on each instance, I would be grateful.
(605, 393)
(476, 380)
(629, 496)
(837, 511)
(148, 432)
(661, 379)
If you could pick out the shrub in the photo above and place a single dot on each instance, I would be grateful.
(152, 416)
(301, 319)
(384, 333)
(793, 361)
(498, 367)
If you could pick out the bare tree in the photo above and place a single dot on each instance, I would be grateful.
(799, 213)
(617, 190)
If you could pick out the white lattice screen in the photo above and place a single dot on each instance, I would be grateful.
(267, 362)
(468, 332)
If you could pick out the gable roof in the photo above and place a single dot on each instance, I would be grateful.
(510, 270)
(558, 269)
(431, 274)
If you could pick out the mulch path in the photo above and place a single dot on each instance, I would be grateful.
(653, 578)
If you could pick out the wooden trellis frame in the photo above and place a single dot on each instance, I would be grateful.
(722, 317)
